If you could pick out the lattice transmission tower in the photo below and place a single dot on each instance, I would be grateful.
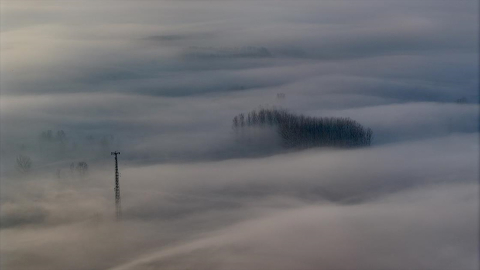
(118, 208)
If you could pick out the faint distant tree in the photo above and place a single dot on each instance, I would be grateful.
(368, 137)
(82, 168)
(50, 140)
(90, 139)
(72, 169)
(23, 164)
(462, 100)
(61, 136)
(61, 139)
(235, 121)
(46, 136)
(241, 119)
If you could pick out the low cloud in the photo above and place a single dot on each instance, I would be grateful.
(411, 204)
(160, 81)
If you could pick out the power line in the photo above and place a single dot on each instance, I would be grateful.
(118, 209)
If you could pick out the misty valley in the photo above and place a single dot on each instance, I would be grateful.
(239, 135)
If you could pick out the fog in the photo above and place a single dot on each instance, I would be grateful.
(160, 81)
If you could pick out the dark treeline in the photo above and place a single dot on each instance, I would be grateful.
(299, 131)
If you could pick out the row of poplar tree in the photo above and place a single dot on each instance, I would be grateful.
(301, 131)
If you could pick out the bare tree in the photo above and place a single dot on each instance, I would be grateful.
(82, 168)
(23, 164)
(61, 136)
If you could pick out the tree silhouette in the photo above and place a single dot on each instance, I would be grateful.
(301, 131)
(82, 168)
(61, 136)
(46, 136)
(23, 164)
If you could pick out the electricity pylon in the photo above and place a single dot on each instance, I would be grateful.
(118, 209)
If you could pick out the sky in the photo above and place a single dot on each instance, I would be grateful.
(160, 81)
